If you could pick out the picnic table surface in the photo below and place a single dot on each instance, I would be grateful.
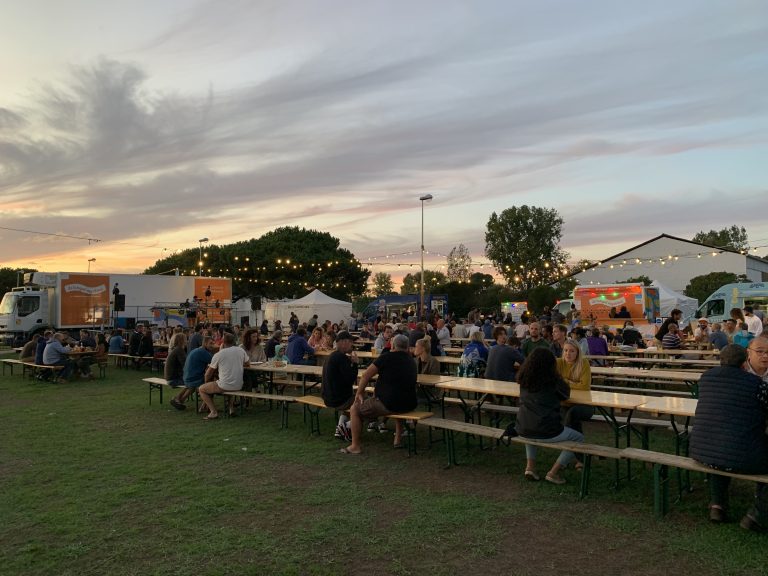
(653, 361)
(662, 352)
(629, 371)
(672, 406)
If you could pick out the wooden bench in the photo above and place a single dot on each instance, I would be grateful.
(10, 362)
(121, 360)
(662, 462)
(586, 450)
(160, 384)
(279, 398)
(34, 368)
(449, 427)
(315, 403)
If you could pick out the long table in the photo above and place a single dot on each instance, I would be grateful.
(690, 379)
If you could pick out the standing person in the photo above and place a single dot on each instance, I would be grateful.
(175, 361)
(541, 392)
(674, 317)
(754, 324)
(425, 362)
(230, 362)
(575, 370)
(193, 374)
(339, 375)
(395, 392)
(730, 432)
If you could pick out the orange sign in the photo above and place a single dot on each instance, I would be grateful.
(84, 299)
(212, 289)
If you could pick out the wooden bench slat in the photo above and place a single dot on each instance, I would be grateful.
(686, 463)
(464, 427)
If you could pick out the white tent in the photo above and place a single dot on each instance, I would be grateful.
(315, 302)
(669, 300)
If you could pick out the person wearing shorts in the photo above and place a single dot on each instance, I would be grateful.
(395, 392)
(230, 362)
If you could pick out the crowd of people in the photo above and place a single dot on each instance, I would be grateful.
(546, 355)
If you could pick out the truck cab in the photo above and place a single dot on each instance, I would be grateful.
(23, 311)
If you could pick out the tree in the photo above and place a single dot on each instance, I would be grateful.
(382, 284)
(459, 264)
(734, 238)
(412, 282)
(523, 242)
(11, 278)
(286, 262)
(642, 279)
(700, 287)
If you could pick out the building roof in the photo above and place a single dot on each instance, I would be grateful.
(620, 254)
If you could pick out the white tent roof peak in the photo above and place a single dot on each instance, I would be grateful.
(317, 297)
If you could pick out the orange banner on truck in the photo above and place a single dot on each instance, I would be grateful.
(84, 299)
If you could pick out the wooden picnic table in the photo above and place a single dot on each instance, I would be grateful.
(661, 352)
(632, 360)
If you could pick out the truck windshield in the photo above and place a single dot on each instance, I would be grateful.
(6, 306)
(712, 308)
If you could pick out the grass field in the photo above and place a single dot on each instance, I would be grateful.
(93, 480)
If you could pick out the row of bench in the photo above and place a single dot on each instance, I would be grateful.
(34, 369)
(661, 462)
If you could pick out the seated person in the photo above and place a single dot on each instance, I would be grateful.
(702, 332)
(86, 342)
(426, 363)
(298, 347)
(504, 358)
(717, 338)
(29, 350)
(630, 336)
(41, 344)
(395, 392)
(575, 370)
(230, 362)
(195, 367)
(116, 342)
(671, 340)
(339, 375)
(743, 337)
(55, 354)
(175, 361)
(730, 432)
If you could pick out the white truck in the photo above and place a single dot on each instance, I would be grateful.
(72, 300)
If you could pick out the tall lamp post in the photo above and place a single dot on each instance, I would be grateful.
(425, 198)
(200, 262)
(89, 263)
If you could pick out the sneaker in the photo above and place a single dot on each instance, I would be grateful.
(373, 426)
(749, 523)
(346, 432)
(382, 428)
(339, 431)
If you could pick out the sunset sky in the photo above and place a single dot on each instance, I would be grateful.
(151, 124)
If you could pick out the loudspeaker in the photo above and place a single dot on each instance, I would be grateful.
(120, 303)
(130, 323)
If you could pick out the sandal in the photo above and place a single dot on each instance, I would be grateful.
(531, 476)
(559, 480)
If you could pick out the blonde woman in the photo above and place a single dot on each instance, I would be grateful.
(425, 362)
(174, 363)
(575, 370)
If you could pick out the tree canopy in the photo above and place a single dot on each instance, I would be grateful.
(523, 242)
(459, 264)
(700, 287)
(286, 262)
(382, 284)
(412, 282)
(11, 278)
(642, 279)
(734, 238)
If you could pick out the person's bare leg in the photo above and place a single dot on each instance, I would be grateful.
(356, 426)
(398, 432)
(208, 400)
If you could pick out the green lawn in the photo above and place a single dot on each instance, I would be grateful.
(93, 480)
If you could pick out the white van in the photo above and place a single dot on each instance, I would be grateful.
(718, 306)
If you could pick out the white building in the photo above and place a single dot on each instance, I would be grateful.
(673, 261)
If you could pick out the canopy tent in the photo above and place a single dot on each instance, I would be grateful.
(315, 302)
(669, 300)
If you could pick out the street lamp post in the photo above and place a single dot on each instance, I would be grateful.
(89, 263)
(200, 262)
(423, 199)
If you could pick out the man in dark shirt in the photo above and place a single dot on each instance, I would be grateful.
(196, 340)
(395, 392)
(504, 358)
(674, 318)
(339, 374)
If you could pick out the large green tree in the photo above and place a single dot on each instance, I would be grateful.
(286, 262)
(11, 278)
(700, 287)
(412, 282)
(382, 284)
(642, 279)
(523, 242)
(734, 238)
(459, 264)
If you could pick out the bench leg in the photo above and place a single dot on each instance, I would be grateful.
(586, 471)
(660, 490)
(283, 415)
(314, 419)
